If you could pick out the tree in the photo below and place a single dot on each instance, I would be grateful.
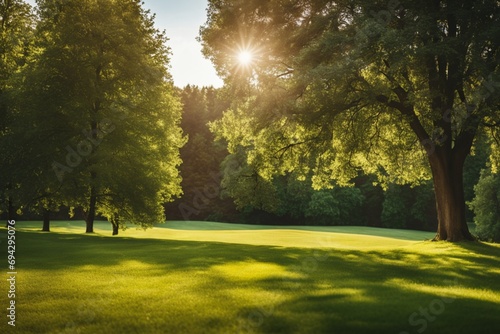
(337, 206)
(16, 27)
(243, 184)
(409, 207)
(339, 87)
(201, 158)
(373, 193)
(486, 206)
(474, 164)
(287, 200)
(101, 105)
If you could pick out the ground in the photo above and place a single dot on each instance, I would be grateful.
(198, 277)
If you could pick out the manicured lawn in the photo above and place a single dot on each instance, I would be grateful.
(179, 278)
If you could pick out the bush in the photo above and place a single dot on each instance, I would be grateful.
(408, 207)
(337, 206)
(486, 206)
(395, 212)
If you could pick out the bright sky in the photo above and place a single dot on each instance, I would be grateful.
(181, 19)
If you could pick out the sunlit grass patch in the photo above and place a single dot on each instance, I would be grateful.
(252, 270)
(339, 237)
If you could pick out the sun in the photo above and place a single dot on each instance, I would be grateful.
(245, 57)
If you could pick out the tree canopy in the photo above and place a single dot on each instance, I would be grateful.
(399, 89)
(97, 118)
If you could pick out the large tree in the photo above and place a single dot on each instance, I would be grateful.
(100, 111)
(396, 88)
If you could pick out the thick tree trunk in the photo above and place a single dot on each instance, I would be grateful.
(92, 208)
(46, 221)
(447, 173)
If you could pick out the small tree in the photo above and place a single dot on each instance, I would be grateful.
(486, 206)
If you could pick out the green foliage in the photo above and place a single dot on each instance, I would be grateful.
(16, 33)
(294, 196)
(395, 89)
(423, 210)
(97, 111)
(248, 189)
(337, 206)
(486, 206)
(331, 83)
(473, 166)
(395, 212)
(16, 38)
(373, 199)
(494, 135)
(408, 207)
(201, 158)
(287, 199)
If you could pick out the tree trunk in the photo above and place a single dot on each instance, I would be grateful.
(447, 171)
(46, 221)
(116, 225)
(115, 229)
(11, 212)
(92, 208)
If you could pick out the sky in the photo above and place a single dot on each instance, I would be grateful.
(181, 19)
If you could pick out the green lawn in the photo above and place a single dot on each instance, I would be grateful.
(218, 278)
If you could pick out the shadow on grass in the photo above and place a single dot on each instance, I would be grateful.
(284, 290)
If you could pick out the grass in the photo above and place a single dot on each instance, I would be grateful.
(218, 278)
